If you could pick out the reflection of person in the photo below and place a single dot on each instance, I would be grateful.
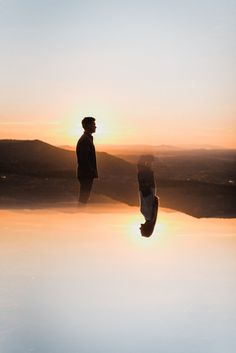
(148, 200)
(86, 158)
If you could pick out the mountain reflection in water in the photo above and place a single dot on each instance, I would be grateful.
(84, 280)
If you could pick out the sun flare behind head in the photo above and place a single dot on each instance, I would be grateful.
(161, 231)
(106, 132)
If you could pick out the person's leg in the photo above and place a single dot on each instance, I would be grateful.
(85, 189)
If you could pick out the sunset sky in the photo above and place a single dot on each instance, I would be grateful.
(151, 72)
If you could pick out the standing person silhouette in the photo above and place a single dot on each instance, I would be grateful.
(86, 158)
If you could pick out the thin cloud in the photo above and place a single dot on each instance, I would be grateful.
(29, 123)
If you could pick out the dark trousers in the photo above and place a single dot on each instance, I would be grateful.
(85, 189)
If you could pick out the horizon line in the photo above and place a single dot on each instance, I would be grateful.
(180, 146)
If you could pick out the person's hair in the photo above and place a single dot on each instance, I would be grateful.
(87, 121)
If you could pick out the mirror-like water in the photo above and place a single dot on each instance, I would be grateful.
(85, 281)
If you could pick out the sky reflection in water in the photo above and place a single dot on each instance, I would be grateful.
(85, 281)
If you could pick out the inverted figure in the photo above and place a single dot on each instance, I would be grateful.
(148, 199)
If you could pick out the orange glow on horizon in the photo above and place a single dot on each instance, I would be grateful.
(115, 129)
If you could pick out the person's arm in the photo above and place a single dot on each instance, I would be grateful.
(84, 158)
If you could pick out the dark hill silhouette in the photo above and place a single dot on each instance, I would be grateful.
(117, 178)
(35, 172)
(28, 151)
(34, 157)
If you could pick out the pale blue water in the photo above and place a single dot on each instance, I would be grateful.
(85, 281)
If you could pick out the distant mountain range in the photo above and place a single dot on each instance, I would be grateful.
(130, 149)
(200, 183)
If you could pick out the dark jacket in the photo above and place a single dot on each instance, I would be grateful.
(86, 157)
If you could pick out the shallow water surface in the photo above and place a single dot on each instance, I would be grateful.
(84, 280)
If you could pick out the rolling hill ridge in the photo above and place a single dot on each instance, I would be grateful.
(33, 172)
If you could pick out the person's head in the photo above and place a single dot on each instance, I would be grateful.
(88, 124)
(146, 229)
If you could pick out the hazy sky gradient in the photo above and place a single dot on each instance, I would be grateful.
(152, 72)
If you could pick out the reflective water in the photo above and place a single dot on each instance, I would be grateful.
(85, 281)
